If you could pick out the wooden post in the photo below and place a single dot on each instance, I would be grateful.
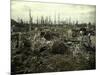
(18, 40)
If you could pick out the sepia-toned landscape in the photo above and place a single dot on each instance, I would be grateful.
(51, 37)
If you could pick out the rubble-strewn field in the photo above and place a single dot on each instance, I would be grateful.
(52, 49)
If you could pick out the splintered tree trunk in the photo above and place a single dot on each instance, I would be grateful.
(30, 17)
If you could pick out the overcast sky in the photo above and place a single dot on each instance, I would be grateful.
(82, 13)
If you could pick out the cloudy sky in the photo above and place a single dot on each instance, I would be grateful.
(82, 13)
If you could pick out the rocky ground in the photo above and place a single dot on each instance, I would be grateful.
(51, 51)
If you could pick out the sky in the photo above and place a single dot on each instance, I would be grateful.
(74, 12)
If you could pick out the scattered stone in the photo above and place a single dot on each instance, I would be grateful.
(59, 47)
